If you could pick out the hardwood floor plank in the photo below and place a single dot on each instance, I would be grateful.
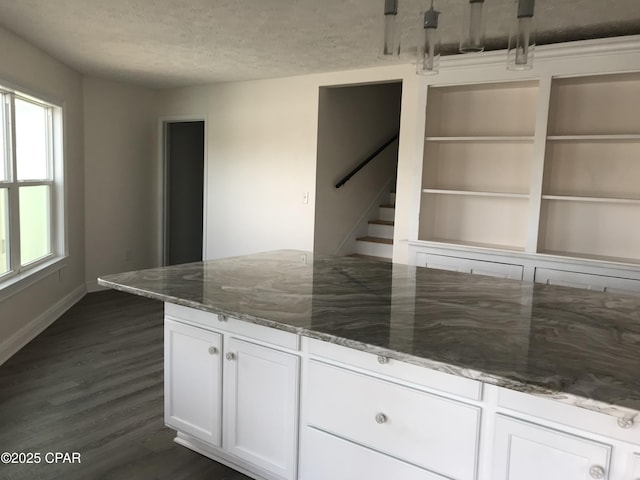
(93, 383)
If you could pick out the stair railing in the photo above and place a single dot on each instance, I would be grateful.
(364, 163)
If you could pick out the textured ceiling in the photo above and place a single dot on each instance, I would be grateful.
(165, 43)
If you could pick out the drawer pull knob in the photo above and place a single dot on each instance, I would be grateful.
(230, 356)
(381, 418)
(222, 318)
(625, 422)
(596, 472)
(382, 360)
(213, 350)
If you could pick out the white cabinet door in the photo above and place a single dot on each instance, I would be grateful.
(261, 406)
(192, 381)
(525, 451)
(601, 283)
(326, 457)
(467, 265)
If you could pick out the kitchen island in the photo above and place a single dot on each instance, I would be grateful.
(455, 376)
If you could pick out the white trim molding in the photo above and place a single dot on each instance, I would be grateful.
(31, 330)
(163, 120)
(559, 51)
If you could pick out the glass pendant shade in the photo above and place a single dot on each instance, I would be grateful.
(392, 30)
(473, 27)
(429, 46)
(522, 39)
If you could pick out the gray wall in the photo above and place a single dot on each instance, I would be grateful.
(122, 178)
(30, 70)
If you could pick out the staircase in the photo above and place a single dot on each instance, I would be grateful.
(378, 243)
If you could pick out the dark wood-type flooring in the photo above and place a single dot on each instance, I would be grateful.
(93, 383)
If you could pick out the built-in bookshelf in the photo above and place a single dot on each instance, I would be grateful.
(535, 174)
(477, 164)
(591, 187)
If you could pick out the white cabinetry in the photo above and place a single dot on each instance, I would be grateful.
(432, 432)
(602, 283)
(234, 397)
(368, 423)
(467, 265)
(259, 394)
(544, 171)
(526, 451)
(330, 457)
(193, 381)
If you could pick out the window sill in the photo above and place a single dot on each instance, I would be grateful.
(22, 281)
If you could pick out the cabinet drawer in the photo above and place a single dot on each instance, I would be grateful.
(467, 265)
(601, 283)
(526, 451)
(228, 324)
(422, 376)
(431, 432)
(326, 457)
(564, 414)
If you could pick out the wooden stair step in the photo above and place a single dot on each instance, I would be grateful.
(381, 222)
(387, 241)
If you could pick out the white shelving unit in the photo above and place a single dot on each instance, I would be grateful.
(539, 170)
(477, 162)
(591, 186)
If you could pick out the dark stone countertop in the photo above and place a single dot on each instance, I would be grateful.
(575, 346)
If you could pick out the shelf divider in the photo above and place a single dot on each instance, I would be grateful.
(576, 198)
(476, 193)
(505, 139)
(593, 138)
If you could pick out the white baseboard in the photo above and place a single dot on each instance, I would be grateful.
(31, 330)
(92, 287)
(219, 456)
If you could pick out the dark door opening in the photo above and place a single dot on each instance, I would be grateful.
(184, 192)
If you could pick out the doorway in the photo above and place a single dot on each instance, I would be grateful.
(184, 166)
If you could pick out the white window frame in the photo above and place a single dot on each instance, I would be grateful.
(20, 276)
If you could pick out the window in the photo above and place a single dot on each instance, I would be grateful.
(31, 213)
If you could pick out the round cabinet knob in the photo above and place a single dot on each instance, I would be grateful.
(381, 418)
(382, 360)
(222, 318)
(213, 350)
(596, 472)
(230, 356)
(625, 422)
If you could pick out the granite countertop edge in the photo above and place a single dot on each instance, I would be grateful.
(523, 386)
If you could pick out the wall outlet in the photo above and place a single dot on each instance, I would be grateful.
(305, 198)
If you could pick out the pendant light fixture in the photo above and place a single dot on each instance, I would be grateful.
(522, 38)
(472, 39)
(428, 61)
(392, 29)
